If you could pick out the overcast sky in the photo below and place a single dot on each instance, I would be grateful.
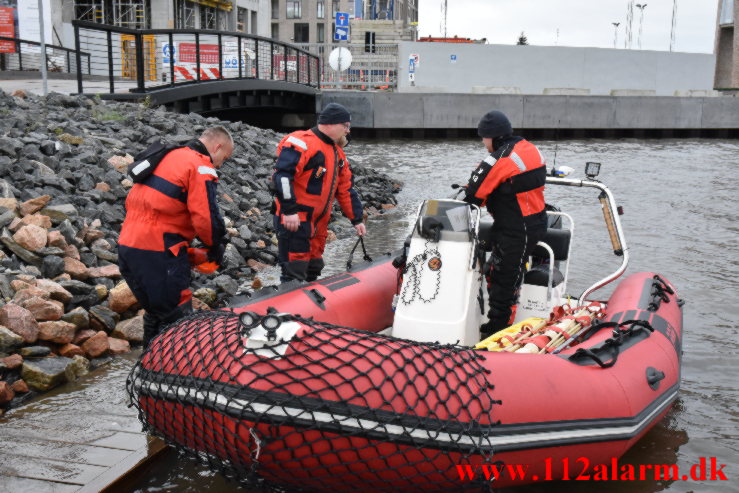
(580, 22)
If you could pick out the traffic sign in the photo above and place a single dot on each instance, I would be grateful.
(341, 32)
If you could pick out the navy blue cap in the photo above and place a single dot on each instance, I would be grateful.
(334, 113)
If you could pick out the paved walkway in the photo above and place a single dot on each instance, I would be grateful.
(81, 437)
(35, 86)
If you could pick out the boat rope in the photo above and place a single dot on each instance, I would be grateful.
(614, 343)
(425, 266)
(659, 292)
(366, 257)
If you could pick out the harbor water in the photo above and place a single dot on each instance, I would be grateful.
(680, 221)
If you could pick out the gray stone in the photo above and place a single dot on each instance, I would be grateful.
(7, 217)
(131, 330)
(105, 254)
(245, 233)
(10, 147)
(45, 374)
(79, 367)
(227, 284)
(35, 351)
(105, 316)
(79, 317)
(5, 290)
(52, 266)
(68, 231)
(9, 340)
(60, 213)
(47, 250)
(77, 287)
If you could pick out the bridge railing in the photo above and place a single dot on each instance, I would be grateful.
(23, 55)
(139, 60)
(372, 67)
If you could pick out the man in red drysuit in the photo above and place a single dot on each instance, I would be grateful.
(311, 170)
(164, 213)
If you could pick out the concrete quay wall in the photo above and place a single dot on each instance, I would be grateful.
(445, 111)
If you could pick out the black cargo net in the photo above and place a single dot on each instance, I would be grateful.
(328, 409)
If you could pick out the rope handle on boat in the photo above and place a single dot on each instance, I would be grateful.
(367, 258)
(615, 342)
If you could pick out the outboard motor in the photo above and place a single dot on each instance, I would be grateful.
(438, 300)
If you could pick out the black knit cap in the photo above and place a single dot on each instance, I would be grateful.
(494, 124)
(334, 113)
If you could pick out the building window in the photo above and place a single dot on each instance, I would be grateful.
(301, 33)
(242, 19)
(369, 42)
(727, 12)
(294, 9)
(253, 29)
(185, 13)
(320, 10)
(335, 7)
(275, 31)
(321, 32)
(275, 9)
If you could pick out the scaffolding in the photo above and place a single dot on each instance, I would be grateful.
(90, 10)
(134, 14)
(185, 15)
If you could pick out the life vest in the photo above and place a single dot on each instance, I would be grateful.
(177, 202)
(510, 182)
(310, 171)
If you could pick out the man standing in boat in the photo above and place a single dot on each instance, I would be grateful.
(311, 170)
(510, 183)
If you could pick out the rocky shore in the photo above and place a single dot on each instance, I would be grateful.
(64, 308)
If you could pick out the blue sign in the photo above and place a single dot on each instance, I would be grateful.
(342, 19)
(411, 65)
(453, 58)
(342, 27)
(166, 48)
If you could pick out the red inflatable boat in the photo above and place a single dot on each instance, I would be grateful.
(301, 387)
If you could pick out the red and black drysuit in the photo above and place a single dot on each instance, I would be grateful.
(163, 215)
(310, 171)
(510, 182)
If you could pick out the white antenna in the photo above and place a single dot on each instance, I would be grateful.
(674, 23)
(443, 18)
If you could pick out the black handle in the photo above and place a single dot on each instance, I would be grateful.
(654, 376)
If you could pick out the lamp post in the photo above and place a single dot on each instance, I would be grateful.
(641, 7)
(674, 23)
(615, 32)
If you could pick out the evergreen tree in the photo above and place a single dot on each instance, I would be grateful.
(522, 40)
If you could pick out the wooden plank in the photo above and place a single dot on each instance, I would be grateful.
(126, 472)
(13, 484)
(48, 470)
(65, 452)
(122, 440)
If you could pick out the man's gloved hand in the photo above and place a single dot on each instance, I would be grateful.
(215, 253)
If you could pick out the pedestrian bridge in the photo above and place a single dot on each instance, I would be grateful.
(226, 74)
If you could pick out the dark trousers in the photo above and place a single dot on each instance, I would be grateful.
(511, 250)
(300, 256)
(161, 283)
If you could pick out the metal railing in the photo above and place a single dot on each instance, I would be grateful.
(21, 54)
(141, 60)
(372, 66)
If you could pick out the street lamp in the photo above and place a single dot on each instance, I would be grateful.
(641, 7)
(615, 32)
